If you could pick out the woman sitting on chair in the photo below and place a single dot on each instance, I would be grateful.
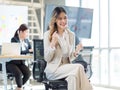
(18, 67)
(59, 46)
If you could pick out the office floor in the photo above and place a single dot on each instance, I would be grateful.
(41, 87)
(37, 86)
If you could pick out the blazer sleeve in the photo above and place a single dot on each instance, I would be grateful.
(48, 51)
(72, 41)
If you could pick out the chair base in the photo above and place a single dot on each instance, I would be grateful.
(11, 78)
(55, 84)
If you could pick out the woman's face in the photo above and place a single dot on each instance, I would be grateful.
(24, 34)
(61, 21)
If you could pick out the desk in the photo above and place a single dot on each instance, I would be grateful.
(7, 58)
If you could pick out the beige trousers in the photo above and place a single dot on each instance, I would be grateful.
(75, 76)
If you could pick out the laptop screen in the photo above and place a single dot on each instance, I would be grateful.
(38, 49)
(10, 49)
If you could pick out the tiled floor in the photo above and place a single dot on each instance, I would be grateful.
(100, 88)
(41, 87)
(38, 86)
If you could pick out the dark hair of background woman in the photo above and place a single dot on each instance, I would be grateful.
(22, 28)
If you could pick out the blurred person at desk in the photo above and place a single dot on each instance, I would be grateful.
(18, 67)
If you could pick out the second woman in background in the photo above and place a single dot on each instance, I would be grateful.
(18, 67)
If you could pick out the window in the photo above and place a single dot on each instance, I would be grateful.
(75, 3)
(105, 35)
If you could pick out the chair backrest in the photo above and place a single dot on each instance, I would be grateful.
(38, 49)
(39, 62)
(88, 58)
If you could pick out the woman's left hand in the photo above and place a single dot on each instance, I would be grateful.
(79, 47)
(77, 50)
(75, 54)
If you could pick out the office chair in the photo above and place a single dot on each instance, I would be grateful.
(10, 76)
(39, 66)
(86, 59)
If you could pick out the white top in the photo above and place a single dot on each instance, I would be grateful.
(23, 45)
(64, 43)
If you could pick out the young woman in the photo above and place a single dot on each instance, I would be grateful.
(59, 46)
(18, 67)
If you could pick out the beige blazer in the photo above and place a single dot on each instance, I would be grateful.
(54, 56)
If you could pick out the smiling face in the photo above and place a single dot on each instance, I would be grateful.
(61, 21)
(58, 21)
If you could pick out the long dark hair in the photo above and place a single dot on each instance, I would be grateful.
(22, 28)
(53, 26)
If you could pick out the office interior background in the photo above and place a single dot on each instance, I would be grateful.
(104, 36)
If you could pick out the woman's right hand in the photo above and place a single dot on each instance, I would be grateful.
(54, 39)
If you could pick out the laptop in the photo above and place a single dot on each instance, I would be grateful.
(10, 49)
